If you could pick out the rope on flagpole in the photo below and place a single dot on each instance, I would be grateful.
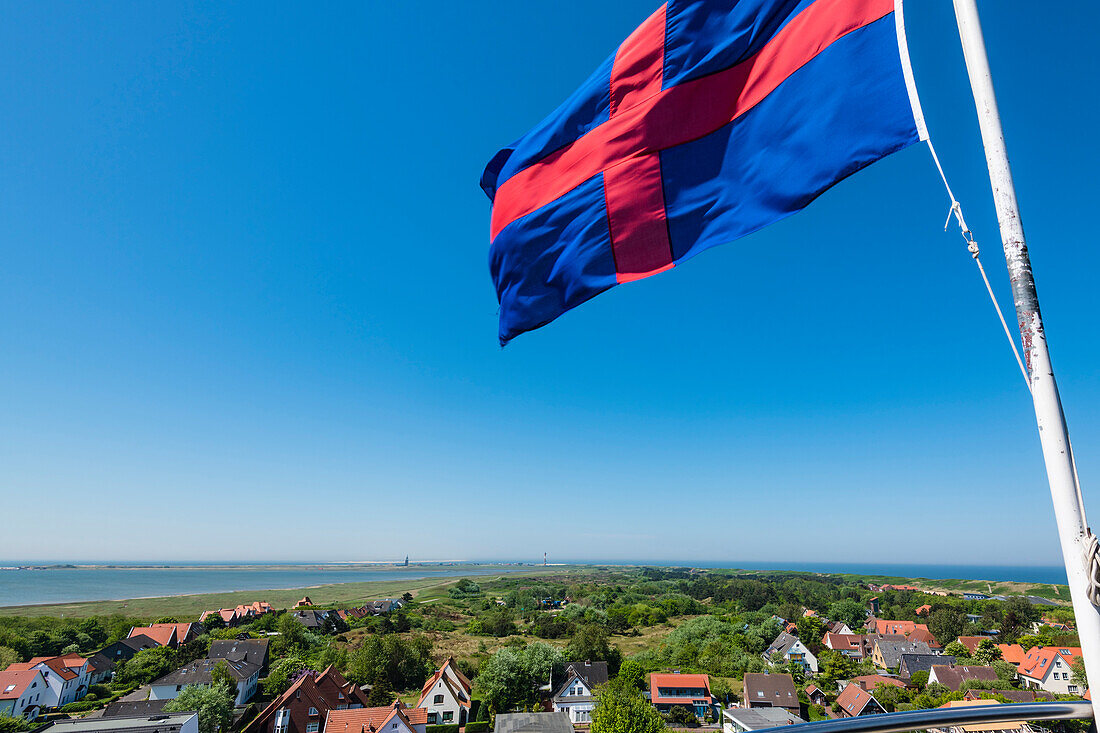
(972, 248)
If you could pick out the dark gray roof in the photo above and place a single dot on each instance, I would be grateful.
(253, 651)
(777, 689)
(892, 650)
(309, 619)
(593, 673)
(130, 709)
(198, 672)
(782, 644)
(533, 723)
(923, 662)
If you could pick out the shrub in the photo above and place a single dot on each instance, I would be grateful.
(441, 729)
(479, 726)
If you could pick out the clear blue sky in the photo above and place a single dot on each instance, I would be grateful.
(247, 313)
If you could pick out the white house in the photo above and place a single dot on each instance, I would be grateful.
(574, 696)
(66, 677)
(446, 696)
(790, 648)
(1049, 668)
(198, 672)
(21, 693)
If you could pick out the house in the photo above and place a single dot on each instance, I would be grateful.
(396, 718)
(198, 672)
(133, 709)
(306, 704)
(923, 610)
(952, 676)
(21, 693)
(837, 627)
(446, 695)
(304, 603)
(532, 723)
(817, 695)
(975, 596)
(764, 690)
(739, 720)
(100, 668)
(850, 645)
(243, 613)
(904, 628)
(925, 636)
(124, 649)
(173, 635)
(911, 663)
(692, 691)
(228, 616)
(66, 678)
(869, 682)
(790, 649)
(253, 651)
(873, 605)
(887, 654)
(854, 701)
(574, 697)
(1013, 726)
(1014, 654)
(1010, 695)
(163, 723)
(971, 642)
(1049, 668)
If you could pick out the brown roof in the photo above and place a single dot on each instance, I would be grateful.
(972, 642)
(373, 719)
(871, 681)
(307, 686)
(56, 664)
(163, 634)
(954, 675)
(1010, 695)
(853, 699)
(777, 689)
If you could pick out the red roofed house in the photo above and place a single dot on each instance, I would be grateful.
(21, 693)
(869, 682)
(1048, 668)
(816, 695)
(396, 718)
(854, 701)
(446, 695)
(972, 642)
(952, 676)
(66, 678)
(173, 635)
(924, 610)
(850, 645)
(1012, 653)
(692, 691)
(305, 705)
(905, 628)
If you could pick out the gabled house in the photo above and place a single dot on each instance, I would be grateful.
(1010, 695)
(854, 701)
(173, 635)
(66, 678)
(1050, 668)
(887, 654)
(1004, 726)
(923, 610)
(869, 682)
(911, 663)
(446, 695)
(905, 628)
(972, 642)
(692, 691)
(850, 645)
(1014, 654)
(396, 718)
(837, 627)
(198, 672)
(243, 613)
(952, 676)
(787, 648)
(306, 704)
(124, 649)
(574, 696)
(764, 690)
(817, 695)
(21, 693)
(253, 651)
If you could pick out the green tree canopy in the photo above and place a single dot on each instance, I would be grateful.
(214, 708)
(512, 676)
(621, 708)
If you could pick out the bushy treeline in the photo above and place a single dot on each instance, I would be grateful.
(46, 636)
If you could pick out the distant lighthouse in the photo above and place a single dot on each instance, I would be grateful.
(406, 561)
(544, 559)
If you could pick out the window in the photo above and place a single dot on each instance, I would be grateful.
(448, 716)
(1073, 688)
(179, 687)
(437, 700)
(313, 711)
(394, 726)
(433, 718)
(312, 727)
(9, 688)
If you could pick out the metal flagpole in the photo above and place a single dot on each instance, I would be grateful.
(1078, 546)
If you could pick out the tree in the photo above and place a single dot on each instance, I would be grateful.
(8, 656)
(946, 623)
(987, 653)
(511, 677)
(810, 632)
(919, 679)
(591, 642)
(957, 649)
(406, 597)
(850, 611)
(398, 663)
(681, 717)
(215, 709)
(632, 674)
(146, 665)
(222, 679)
(623, 709)
(17, 724)
(835, 666)
(1079, 677)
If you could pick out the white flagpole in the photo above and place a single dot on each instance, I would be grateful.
(1069, 509)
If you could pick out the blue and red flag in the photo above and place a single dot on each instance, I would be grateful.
(713, 119)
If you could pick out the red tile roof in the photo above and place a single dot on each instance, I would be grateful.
(871, 681)
(1040, 659)
(17, 680)
(163, 634)
(56, 664)
(923, 609)
(972, 642)
(373, 719)
(1012, 653)
(897, 627)
(678, 681)
(853, 700)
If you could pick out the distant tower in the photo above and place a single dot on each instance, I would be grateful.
(544, 559)
(406, 561)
